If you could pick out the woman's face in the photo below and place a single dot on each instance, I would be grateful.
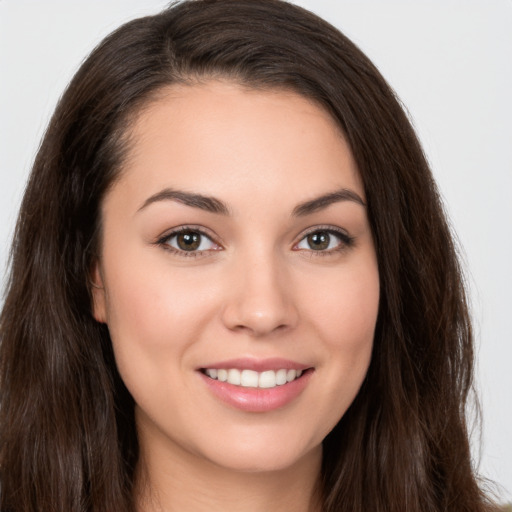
(236, 245)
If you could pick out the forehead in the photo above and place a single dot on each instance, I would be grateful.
(224, 139)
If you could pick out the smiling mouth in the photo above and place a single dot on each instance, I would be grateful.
(253, 379)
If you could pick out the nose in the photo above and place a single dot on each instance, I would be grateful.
(261, 298)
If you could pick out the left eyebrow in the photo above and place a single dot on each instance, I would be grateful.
(323, 201)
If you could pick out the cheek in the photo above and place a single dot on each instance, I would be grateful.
(345, 315)
(153, 318)
(152, 327)
(145, 295)
(346, 306)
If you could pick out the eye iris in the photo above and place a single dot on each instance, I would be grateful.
(188, 241)
(319, 241)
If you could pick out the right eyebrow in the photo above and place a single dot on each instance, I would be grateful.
(207, 203)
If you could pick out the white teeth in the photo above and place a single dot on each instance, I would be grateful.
(267, 379)
(249, 379)
(253, 379)
(234, 377)
(281, 377)
(291, 375)
(211, 373)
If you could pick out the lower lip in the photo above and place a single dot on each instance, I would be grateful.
(258, 399)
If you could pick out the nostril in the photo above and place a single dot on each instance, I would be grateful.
(260, 328)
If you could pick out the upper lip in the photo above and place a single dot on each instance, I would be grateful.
(258, 365)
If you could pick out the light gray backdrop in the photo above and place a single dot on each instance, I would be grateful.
(449, 61)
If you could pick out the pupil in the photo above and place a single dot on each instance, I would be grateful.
(189, 241)
(319, 241)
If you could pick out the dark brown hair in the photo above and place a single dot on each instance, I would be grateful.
(67, 434)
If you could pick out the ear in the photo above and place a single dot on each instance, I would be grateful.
(99, 306)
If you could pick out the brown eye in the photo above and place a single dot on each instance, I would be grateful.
(325, 241)
(188, 241)
(319, 240)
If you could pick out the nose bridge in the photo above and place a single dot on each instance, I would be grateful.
(260, 301)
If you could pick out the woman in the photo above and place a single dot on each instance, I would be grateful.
(244, 294)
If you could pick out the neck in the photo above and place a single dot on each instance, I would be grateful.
(179, 481)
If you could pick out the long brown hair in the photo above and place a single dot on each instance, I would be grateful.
(67, 434)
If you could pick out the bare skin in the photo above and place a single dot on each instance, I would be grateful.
(236, 239)
(215, 488)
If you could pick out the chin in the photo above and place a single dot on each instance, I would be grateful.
(262, 457)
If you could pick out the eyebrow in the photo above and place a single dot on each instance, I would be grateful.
(214, 205)
(209, 204)
(322, 202)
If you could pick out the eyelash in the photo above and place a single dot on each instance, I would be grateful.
(346, 241)
(164, 241)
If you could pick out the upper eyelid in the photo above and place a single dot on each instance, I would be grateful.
(346, 240)
(163, 242)
(169, 233)
(217, 240)
(327, 227)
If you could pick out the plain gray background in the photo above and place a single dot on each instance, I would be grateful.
(450, 63)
